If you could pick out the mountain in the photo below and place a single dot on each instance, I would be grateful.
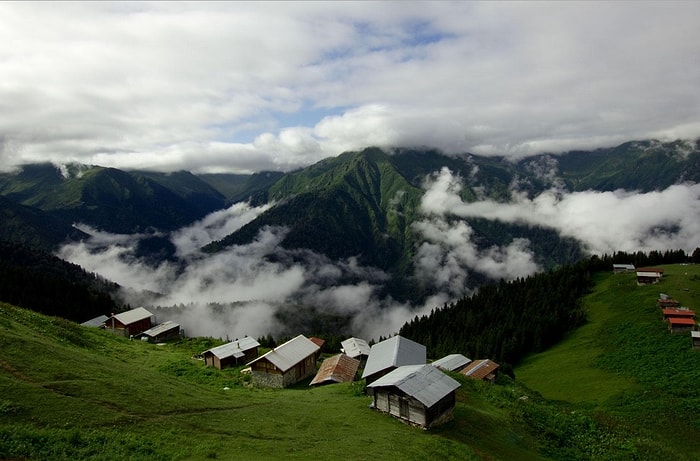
(110, 199)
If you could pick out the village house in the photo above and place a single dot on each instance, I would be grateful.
(97, 322)
(666, 302)
(695, 338)
(452, 362)
(420, 395)
(286, 364)
(649, 275)
(337, 369)
(356, 348)
(622, 268)
(484, 369)
(232, 354)
(680, 325)
(683, 313)
(390, 354)
(130, 323)
(163, 332)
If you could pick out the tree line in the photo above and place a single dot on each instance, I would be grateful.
(505, 321)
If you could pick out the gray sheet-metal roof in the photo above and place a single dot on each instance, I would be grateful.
(394, 352)
(452, 362)
(162, 328)
(695, 334)
(337, 369)
(235, 348)
(355, 347)
(96, 322)
(290, 353)
(134, 315)
(425, 383)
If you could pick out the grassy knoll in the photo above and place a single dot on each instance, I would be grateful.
(69, 392)
(625, 366)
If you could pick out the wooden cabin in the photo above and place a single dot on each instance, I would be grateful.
(649, 275)
(286, 364)
(337, 369)
(678, 314)
(452, 362)
(232, 354)
(680, 325)
(483, 369)
(130, 323)
(164, 332)
(390, 354)
(695, 338)
(419, 395)
(356, 348)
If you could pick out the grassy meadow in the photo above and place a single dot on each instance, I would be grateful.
(619, 388)
(624, 364)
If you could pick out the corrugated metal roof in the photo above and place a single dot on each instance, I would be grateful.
(162, 328)
(681, 321)
(290, 353)
(234, 348)
(452, 362)
(96, 322)
(337, 369)
(394, 352)
(134, 315)
(479, 369)
(425, 383)
(355, 347)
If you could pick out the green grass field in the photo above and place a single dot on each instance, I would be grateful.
(625, 364)
(69, 392)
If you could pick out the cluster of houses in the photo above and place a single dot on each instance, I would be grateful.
(397, 374)
(680, 319)
(645, 275)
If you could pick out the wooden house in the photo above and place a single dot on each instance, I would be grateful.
(232, 354)
(695, 338)
(356, 348)
(678, 314)
(420, 395)
(484, 369)
(452, 362)
(97, 322)
(390, 354)
(623, 268)
(337, 369)
(648, 275)
(163, 332)
(130, 323)
(680, 325)
(286, 364)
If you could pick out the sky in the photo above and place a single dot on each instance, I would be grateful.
(250, 86)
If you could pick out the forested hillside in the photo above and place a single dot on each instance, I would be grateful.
(44, 283)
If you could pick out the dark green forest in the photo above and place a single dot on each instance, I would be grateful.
(41, 282)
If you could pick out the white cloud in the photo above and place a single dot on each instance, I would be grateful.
(604, 222)
(249, 86)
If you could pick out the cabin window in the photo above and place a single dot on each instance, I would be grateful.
(403, 408)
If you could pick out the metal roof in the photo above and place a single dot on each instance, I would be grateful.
(452, 362)
(96, 322)
(695, 334)
(134, 315)
(480, 369)
(679, 312)
(354, 347)
(425, 383)
(290, 353)
(235, 348)
(162, 328)
(681, 321)
(337, 369)
(394, 352)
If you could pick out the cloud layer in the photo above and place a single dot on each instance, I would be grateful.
(237, 86)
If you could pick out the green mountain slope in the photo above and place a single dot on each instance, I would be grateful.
(624, 362)
(111, 199)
